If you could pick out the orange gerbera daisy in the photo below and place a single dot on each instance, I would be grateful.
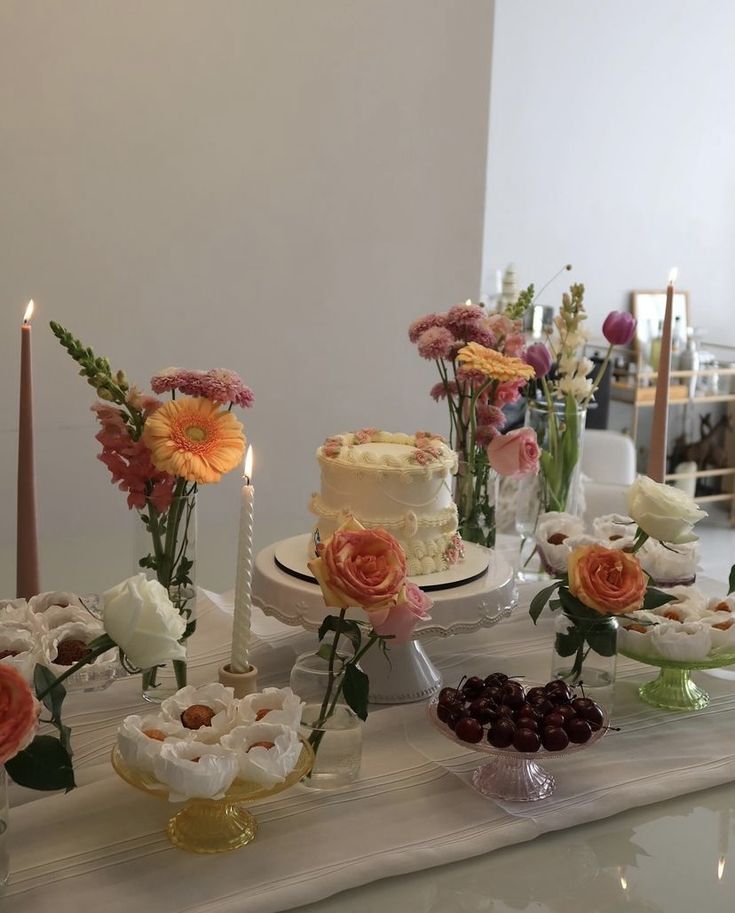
(194, 438)
(493, 364)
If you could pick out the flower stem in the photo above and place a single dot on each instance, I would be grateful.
(103, 644)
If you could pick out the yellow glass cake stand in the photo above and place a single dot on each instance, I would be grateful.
(214, 825)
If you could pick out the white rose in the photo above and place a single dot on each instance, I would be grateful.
(662, 511)
(139, 616)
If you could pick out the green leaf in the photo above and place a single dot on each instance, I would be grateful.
(44, 764)
(731, 581)
(655, 598)
(574, 608)
(355, 689)
(568, 643)
(540, 599)
(44, 678)
(603, 639)
(350, 629)
(325, 651)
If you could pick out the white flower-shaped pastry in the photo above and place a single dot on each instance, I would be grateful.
(614, 530)
(193, 770)
(17, 613)
(635, 636)
(722, 604)
(266, 752)
(682, 642)
(216, 697)
(19, 648)
(722, 630)
(274, 705)
(670, 565)
(44, 601)
(556, 533)
(690, 604)
(140, 739)
(85, 632)
(56, 616)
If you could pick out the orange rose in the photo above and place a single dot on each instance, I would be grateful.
(607, 580)
(18, 713)
(361, 567)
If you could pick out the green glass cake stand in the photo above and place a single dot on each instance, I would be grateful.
(674, 688)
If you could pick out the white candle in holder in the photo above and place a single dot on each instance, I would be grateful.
(239, 658)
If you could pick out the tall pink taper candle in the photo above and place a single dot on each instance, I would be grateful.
(27, 582)
(659, 427)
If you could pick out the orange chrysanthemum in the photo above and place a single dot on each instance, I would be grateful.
(493, 364)
(195, 439)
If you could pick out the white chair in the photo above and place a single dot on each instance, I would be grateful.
(608, 468)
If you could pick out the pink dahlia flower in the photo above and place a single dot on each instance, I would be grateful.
(436, 342)
(169, 379)
(424, 323)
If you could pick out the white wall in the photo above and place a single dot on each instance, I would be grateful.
(612, 145)
(277, 187)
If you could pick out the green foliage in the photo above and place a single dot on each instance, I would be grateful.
(655, 598)
(540, 599)
(731, 581)
(525, 299)
(52, 697)
(45, 764)
(97, 371)
(350, 629)
(356, 687)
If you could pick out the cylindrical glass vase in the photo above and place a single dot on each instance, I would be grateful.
(333, 730)
(165, 547)
(557, 487)
(585, 652)
(4, 826)
(476, 497)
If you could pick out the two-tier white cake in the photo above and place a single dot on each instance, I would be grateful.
(399, 482)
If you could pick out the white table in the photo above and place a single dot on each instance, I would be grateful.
(105, 842)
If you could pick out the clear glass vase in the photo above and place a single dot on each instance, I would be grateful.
(4, 825)
(333, 730)
(165, 547)
(476, 497)
(558, 486)
(585, 652)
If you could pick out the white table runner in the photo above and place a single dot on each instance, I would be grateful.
(104, 845)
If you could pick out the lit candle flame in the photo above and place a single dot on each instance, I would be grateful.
(468, 302)
(672, 275)
(624, 882)
(248, 470)
(29, 312)
(720, 868)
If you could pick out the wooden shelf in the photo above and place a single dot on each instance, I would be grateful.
(700, 474)
(708, 499)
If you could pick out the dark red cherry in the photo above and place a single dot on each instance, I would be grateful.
(554, 738)
(496, 679)
(535, 694)
(443, 713)
(473, 687)
(554, 719)
(514, 699)
(481, 710)
(469, 730)
(449, 695)
(494, 693)
(526, 740)
(578, 730)
(500, 734)
(593, 715)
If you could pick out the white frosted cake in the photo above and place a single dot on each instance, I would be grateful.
(399, 482)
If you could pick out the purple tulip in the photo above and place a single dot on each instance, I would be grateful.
(539, 357)
(619, 328)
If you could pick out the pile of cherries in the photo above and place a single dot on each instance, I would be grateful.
(499, 709)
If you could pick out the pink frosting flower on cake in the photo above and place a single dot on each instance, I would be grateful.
(454, 552)
(424, 323)
(412, 607)
(436, 342)
(365, 435)
(332, 447)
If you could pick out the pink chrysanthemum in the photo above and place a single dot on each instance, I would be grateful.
(436, 342)
(169, 379)
(440, 390)
(462, 316)
(424, 323)
(476, 331)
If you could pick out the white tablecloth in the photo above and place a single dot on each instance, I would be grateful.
(104, 845)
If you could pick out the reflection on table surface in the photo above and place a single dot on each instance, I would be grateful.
(676, 856)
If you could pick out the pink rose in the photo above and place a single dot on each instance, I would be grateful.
(411, 608)
(361, 567)
(18, 713)
(515, 454)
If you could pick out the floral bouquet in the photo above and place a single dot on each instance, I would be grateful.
(561, 391)
(604, 584)
(160, 452)
(363, 568)
(479, 357)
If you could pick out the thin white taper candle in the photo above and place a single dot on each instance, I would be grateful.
(239, 658)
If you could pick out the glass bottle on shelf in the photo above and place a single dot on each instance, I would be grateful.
(655, 352)
(689, 361)
(677, 344)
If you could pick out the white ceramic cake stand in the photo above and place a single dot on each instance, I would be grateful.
(459, 608)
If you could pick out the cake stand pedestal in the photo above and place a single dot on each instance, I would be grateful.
(284, 588)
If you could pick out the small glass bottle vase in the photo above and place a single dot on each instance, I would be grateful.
(476, 497)
(333, 730)
(558, 485)
(165, 547)
(585, 652)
